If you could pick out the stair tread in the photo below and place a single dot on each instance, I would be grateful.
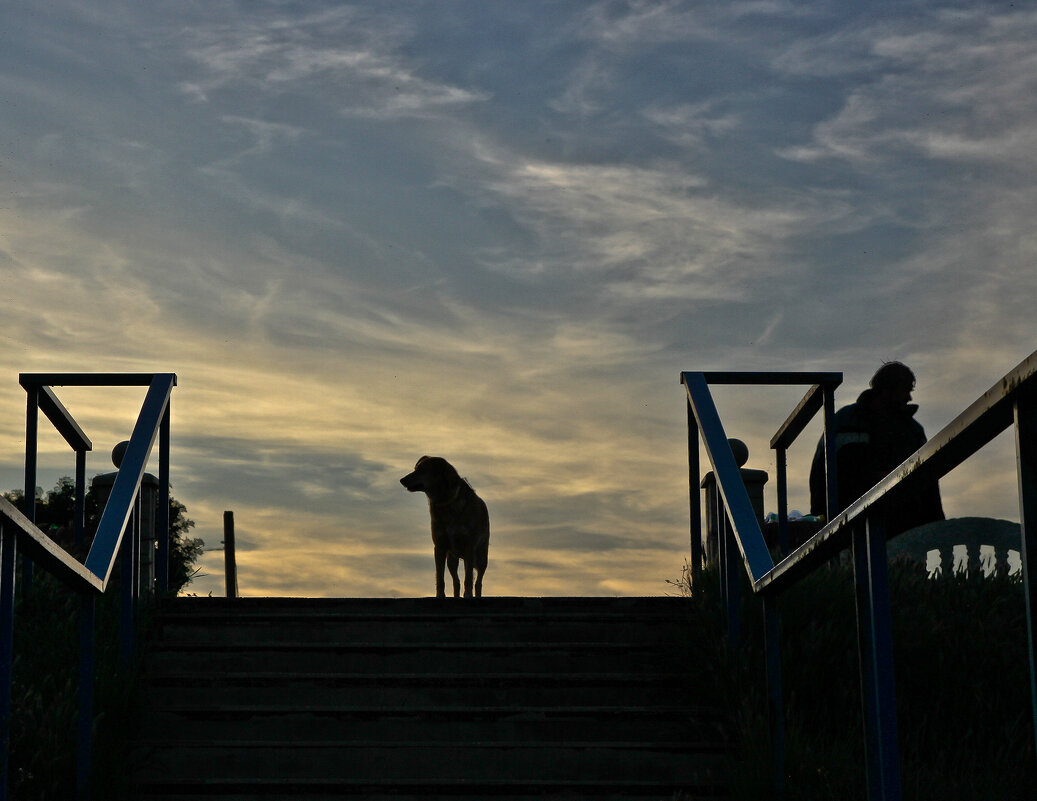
(328, 698)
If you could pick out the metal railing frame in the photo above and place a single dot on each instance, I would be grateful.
(117, 537)
(860, 526)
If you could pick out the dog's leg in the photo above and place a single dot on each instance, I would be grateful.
(480, 567)
(451, 563)
(468, 571)
(440, 556)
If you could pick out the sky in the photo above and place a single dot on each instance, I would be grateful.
(497, 232)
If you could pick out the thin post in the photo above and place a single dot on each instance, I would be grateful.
(731, 567)
(832, 501)
(85, 731)
(136, 522)
(8, 562)
(1026, 457)
(32, 427)
(162, 550)
(80, 508)
(875, 648)
(694, 497)
(229, 564)
(126, 617)
(775, 704)
(781, 467)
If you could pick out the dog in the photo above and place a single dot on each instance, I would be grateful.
(460, 523)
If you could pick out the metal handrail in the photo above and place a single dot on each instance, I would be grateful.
(981, 422)
(116, 537)
(862, 526)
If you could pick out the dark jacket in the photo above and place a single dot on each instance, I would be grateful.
(869, 445)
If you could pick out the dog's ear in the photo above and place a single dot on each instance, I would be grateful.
(421, 461)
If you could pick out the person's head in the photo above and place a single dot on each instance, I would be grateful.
(893, 384)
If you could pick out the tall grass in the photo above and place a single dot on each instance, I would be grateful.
(962, 683)
(45, 694)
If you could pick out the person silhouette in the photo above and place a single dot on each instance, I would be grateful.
(872, 437)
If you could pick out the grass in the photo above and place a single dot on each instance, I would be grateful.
(963, 694)
(44, 693)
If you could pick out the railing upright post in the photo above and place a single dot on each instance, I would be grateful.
(694, 497)
(831, 460)
(775, 703)
(875, 648)
(162, 549)
(781, 468)
(32, 427)
(126, 578)
(731, 569)
(1026, 457)
(85, 733)
(80, 508)
(8, 570)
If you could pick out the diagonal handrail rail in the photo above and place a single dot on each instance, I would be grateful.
(113, 540)
(987, 417)
(861, 525)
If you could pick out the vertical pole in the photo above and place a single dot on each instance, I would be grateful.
(80, 510)
(694, 497)
(831, 461)
(8, 565)
(783, 500)
(126, 590)
(32, 420)
(136, 522)
(875, 647)
(775, 704)
(732, 572)
(229, 563)
(721, 526)
(162, 551)
(86, 698)
(1026, 456)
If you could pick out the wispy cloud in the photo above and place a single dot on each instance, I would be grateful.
(363, 233)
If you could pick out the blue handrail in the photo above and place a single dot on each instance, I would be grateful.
(117, 537)
(1012, 400)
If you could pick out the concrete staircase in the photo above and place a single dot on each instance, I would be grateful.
(513, 698)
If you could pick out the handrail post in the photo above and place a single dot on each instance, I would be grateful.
(162, 546)
(731, 569)
(832, 507)
(1026, 457)
(126, 578)
(8, 570)
(694, 497)
(80, 507)
(32, 428)
(775, 703)
(781, 468)
(875, 648)
(86, 698)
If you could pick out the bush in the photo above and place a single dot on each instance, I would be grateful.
(44, 693)
(962, 681)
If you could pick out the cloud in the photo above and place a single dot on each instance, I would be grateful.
(347, 56)
(360, 234)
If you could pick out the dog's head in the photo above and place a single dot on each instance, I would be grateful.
(434, 476)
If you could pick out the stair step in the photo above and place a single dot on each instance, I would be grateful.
(417, 689)
(380, 657)
(458, 761)
(423, 790)
(380, 724)
(428, 698)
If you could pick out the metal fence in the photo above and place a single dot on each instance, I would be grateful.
(117, 537)
(859, 526)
